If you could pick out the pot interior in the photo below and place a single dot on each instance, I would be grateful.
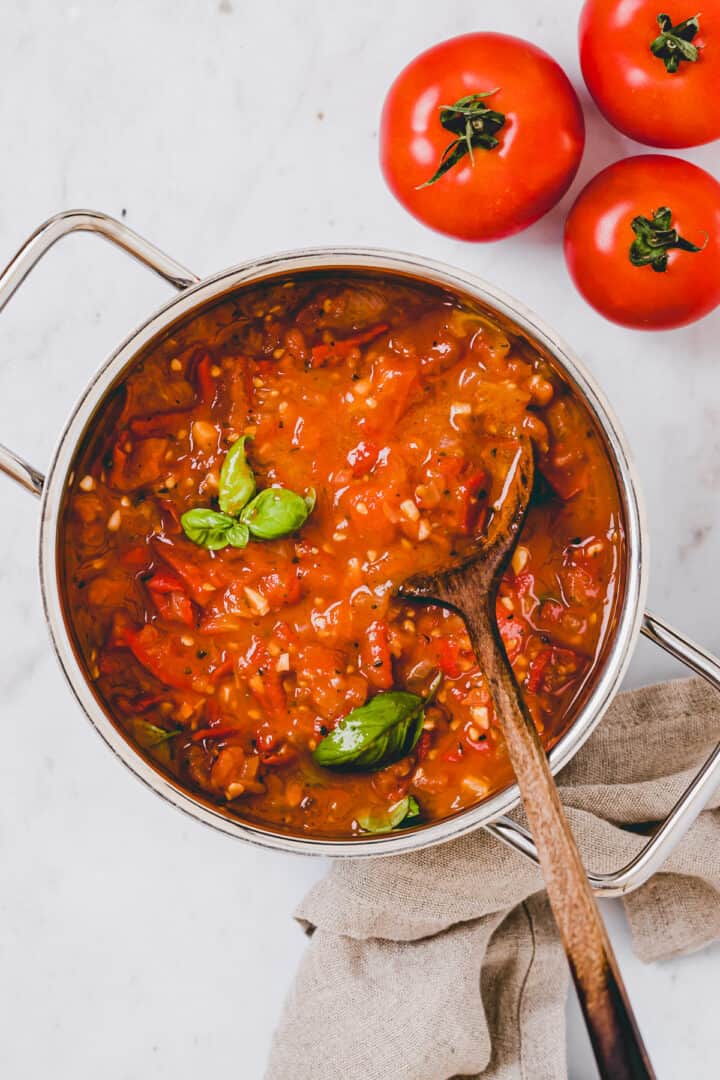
(235, 324)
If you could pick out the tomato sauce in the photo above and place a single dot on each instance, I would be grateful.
(389, 398)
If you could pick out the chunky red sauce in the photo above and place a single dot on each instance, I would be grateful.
(390, 399)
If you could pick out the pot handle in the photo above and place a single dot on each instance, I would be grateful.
(669, 833)
(30, 254)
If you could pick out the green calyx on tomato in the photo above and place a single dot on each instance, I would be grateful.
(674, 43)
(274, 513)
(654, 237)
(473, 124)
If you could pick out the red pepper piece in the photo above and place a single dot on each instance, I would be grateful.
(194, 567)
(206, 385)
(223, 667)
(472, 511)
(170, 597)
(375, 656)
(449, 657)
(258, 669)
(150, 649)
(536, 671)
(423, 745)
(212, 733)
(339, 350)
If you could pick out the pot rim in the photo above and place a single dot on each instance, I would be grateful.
(523, 321)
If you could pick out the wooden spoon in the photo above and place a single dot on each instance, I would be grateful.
(471, 588)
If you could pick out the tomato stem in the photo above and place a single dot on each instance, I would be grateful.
(674, 43)
(654, 237)
(473, 124)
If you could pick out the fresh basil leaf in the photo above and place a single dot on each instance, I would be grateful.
(399, 814)
(212, 530)
(376, 734)
(275, 512)
(237, 480)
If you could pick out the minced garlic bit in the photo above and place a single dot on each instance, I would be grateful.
(87, 483)
(480, 715)
(114, 521)
(423, 529)
(175, 364)
(409, 509)
(520, 559)
(283, 662)
(256, 601)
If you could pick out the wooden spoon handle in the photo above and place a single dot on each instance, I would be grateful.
(615, 1037)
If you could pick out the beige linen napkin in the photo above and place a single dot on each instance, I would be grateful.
(446, 962)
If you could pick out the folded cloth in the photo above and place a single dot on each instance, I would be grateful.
(446, 962)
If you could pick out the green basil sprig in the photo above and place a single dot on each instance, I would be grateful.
(213, 530)
(401, 813)
(384, 730)
(237, 480)
(271, 514)
(154, 735)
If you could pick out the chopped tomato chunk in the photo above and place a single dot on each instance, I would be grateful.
(258, 671)
(170, 598)
(362, 457)
(375, 656)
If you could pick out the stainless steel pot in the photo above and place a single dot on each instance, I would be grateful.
(632, 619)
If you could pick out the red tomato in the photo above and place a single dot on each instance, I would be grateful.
(642, 242)
(655, 77)
(501, 98)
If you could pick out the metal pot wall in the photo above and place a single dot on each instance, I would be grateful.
(632, 620)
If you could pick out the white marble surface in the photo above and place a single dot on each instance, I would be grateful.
(134, 943)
